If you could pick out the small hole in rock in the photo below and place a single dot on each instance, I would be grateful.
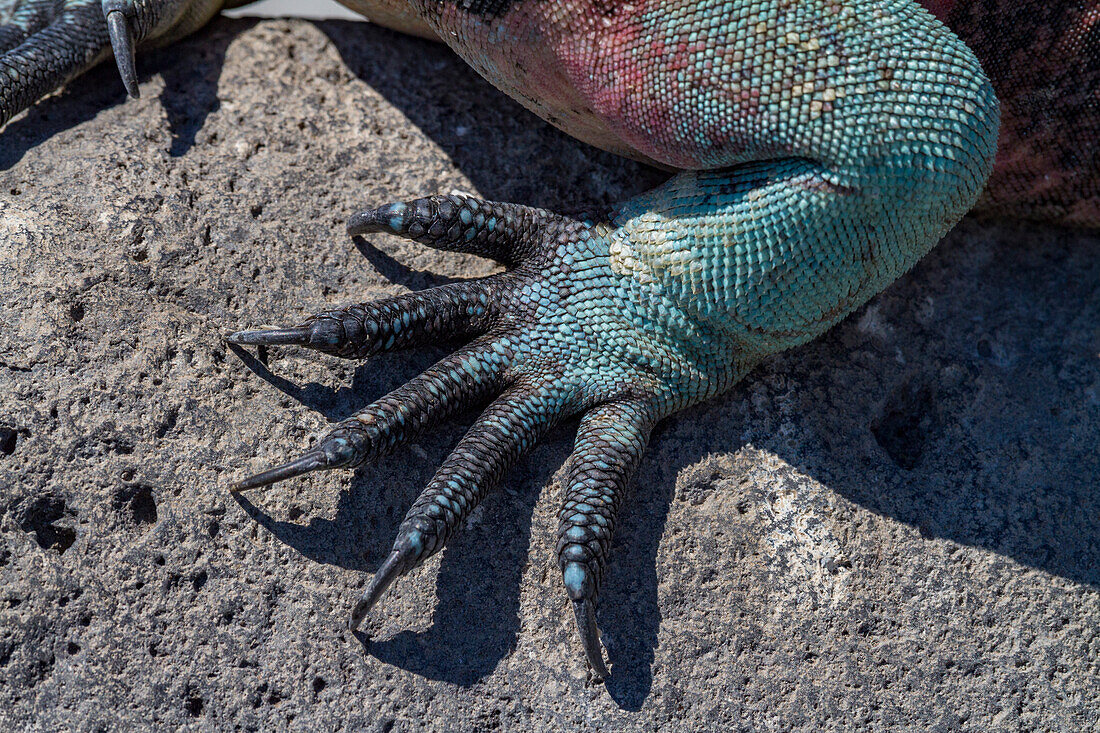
(8, 438)
(73, 648)
(319, 684)
(908, 421)
(194, 706)
(50, 521)
(169, 423)
(76, 311)
(143, 507)
(199, 580)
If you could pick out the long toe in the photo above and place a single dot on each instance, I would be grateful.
(359, 331)
(610, 442)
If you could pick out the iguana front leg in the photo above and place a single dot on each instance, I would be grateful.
(830, 144)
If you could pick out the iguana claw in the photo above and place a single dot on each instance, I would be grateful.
(396, 564)
(585, 613)
(122, 43)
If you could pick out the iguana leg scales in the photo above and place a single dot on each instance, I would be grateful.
(824, 147)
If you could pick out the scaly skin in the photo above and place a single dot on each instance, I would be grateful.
(824, 147)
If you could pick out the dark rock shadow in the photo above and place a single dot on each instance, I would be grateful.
(190, 92)
(967, 461)
(508, 153)
(476, 620)
(372, 379)
(399, 272)
(629, 614)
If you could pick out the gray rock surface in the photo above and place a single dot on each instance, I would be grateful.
(895, 527)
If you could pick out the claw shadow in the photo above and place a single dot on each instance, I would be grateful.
(399, 272)
(190, 93)
(370, 380)
(477, 617)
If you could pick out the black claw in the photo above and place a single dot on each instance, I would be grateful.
(122, 42)
(393, 568)
(585, 612)
(312, 461)
(272, 337)
(369, 222)
(340, 448)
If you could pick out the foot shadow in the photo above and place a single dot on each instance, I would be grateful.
(475, 623)
(508, 153)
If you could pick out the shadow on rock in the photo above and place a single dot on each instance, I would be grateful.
(476, 619)
(629, 614)
(1004, 458)
(399, 272)
(190, 92)
(489, 136)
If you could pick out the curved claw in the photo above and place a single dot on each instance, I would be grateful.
(312, 461)
(122, 43)
(393, 568)
(385, 219)
(335, 451)
(272, 337)
(584, 610)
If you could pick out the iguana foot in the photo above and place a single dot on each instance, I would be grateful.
(46, 43)
(552, 339)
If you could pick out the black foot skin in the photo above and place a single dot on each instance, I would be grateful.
(540, 346)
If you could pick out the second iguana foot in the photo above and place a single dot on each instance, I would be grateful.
(550, 340)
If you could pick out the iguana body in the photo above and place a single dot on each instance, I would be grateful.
(825, 146)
